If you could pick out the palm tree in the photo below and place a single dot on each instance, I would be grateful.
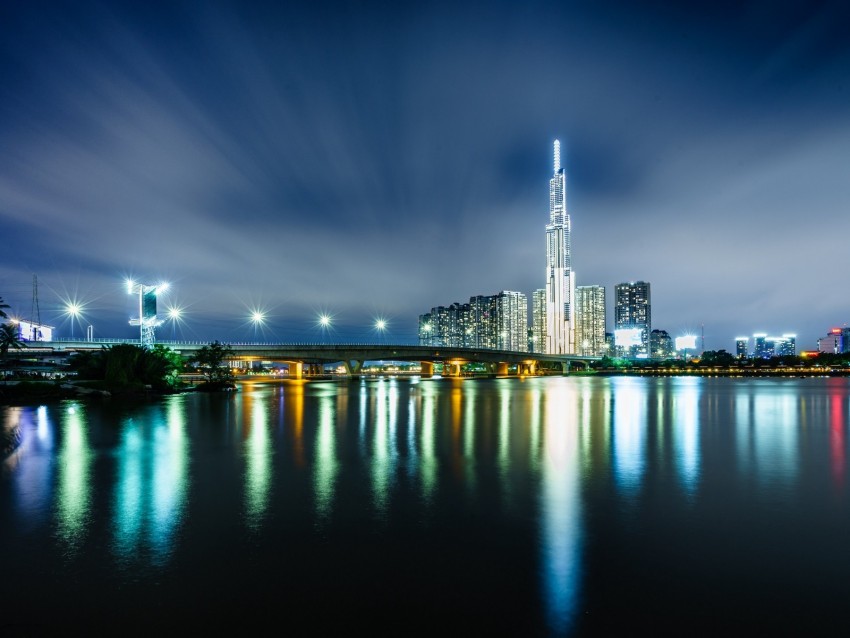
(3, 305)
(9, 339)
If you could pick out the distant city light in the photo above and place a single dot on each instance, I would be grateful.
(688, 342)
(628, 337)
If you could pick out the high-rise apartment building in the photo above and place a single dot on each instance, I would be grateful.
(538, 321)
(766, 346)
(632, 319)
(512, 321)
(495, 322)
(590, 321)
(660, 345)
(742, 347)
(560, 284)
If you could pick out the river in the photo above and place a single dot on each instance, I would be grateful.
(557, 506)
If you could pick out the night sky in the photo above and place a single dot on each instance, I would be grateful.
(373, 160)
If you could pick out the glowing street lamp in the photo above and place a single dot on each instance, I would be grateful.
(73, 310)
(174, 314)
(381, 326)
(324, 321)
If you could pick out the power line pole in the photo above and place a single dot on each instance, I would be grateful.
(35, 312)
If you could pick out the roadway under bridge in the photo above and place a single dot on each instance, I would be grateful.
(300, 357)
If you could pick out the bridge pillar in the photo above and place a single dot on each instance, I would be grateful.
(427, 368)
(353, 367)
(529, 368)
(296, 370)
(502, 368)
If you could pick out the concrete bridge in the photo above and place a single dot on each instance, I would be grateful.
(303, 358)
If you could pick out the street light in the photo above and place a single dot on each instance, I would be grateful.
(73, 310)
(258, 318)
(381, 326)
(324, 324)
(174, 314)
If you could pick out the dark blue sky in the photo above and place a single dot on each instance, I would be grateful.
(377, 159)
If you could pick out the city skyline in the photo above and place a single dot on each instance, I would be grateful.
(365, 162)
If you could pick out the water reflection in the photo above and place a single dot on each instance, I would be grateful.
(326, 465)
(33, 478)
(73, 495)
(767, 434)
(170, 477)
(562, 484)
(258, 458)
(561, 510)
(384, 454)
(686, 432)
(838, 422)
(152, 483)
(428, 463)
(629, 433)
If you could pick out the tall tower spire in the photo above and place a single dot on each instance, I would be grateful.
(560, 283)
(557, 156)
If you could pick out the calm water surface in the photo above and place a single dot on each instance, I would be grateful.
(536, 507)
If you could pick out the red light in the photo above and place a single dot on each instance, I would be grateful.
(836, 331)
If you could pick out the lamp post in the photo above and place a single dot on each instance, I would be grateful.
(174, 317)
(73, 310)
(381, 326)
(324, 324)
(257, 318)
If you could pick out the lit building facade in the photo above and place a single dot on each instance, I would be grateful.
(832, 343)
(538, 321)
(493, 322)
(766, 346)
(632, 318)
(560, 284)
(660, 345)
(742, 345)
(590, 321)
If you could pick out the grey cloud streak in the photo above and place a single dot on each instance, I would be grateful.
(384, 162)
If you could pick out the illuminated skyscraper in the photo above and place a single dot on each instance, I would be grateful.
(742, 347)
(633, 318)
(495, 322)
(538, 321)
(560, 284)
(590, 321)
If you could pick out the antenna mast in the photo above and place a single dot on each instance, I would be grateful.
(35, 312)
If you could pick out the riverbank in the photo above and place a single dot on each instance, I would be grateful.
(32, 392)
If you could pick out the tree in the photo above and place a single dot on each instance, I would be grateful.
(127, 364)
(717, 358)
(9, 339)
(3, 304)
(210, 360)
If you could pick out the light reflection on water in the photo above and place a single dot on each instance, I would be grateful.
(559, 466)
(258, 452)
(73, 494)
(152, 483)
